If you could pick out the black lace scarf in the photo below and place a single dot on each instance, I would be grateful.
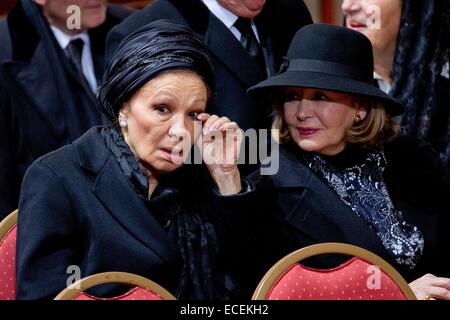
(357, 177)
(201, 278)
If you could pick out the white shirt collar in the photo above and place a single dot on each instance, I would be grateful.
(64, 39)
(87, 62)
(376, 76)
(446, 70)
(382, 83)
(386, 87)
(227, 17)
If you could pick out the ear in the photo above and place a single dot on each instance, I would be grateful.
(361, 107)
(41, 2)
(362, 112)
(122, 112)
(125, 109)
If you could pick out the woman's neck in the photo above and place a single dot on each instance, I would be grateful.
(384, 62)
(152, 183)
(350, 156)
(152, 177)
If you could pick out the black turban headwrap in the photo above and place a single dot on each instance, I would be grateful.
(159, 46)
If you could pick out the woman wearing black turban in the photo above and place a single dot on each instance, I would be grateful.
(119, 199)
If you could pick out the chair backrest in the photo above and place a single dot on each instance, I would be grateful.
(365, 276)
(8, 233)
(142, 288)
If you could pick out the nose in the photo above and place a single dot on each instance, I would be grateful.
(305, 109)
(349, 6)
(178, 130)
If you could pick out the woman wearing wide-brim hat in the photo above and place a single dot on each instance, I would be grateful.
(344, 173)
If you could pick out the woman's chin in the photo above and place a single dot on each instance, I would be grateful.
(169, 166)
(308, 145)
(162, 167)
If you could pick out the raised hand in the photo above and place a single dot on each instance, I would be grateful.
(220, 143)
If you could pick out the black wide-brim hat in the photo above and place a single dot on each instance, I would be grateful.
(331, 58)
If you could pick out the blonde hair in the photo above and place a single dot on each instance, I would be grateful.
(377, 128)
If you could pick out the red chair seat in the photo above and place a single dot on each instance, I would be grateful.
(8, 265)
(349, 281)
(365, 276)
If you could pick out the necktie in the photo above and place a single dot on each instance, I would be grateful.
(75, 51)
(249, 41)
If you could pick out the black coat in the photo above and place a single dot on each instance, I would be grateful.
(235, 70)
(40, 109)
(77, 208)
(300, 209)
(439, 134)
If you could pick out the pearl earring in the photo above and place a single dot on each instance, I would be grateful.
(122, 120)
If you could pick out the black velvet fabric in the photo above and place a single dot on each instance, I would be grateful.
(419, 79)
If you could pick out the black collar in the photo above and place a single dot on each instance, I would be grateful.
(91, 150)
(292, 172)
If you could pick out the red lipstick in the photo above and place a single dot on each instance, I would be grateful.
(307, 131)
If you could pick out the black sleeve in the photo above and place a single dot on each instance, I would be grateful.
(247, 232)
(8, 165)
(46, 236)
(419, 183)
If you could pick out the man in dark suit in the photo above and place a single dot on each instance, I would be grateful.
(229, 29)
(51, 61)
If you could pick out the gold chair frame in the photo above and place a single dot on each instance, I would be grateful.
(278, 270)
(7, 224)
(133, 280)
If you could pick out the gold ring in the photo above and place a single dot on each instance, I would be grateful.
(428, 297)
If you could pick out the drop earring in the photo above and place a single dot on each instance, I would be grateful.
(357, 118)
(122, 120)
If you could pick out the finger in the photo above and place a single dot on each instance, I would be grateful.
(438, 293)
(229, 126)
(218, 123)
(432, 280)
(234, 129)
(231, 131)
(233, 135)
(208, 123)
(440, 282)
(203, 116)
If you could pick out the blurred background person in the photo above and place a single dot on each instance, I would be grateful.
(411, 46)
(49, 74)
